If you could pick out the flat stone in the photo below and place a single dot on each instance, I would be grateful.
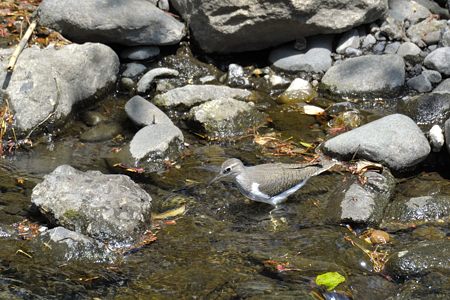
(403, 10)
(140, 52)
(108, 208)
(362, 203)
(224, 118)
(246, 25)
(353, 78)
(125, 22)
(144, 83)
(420, 83)
(46, 83)
(142, 112)
(395, 141)
(133, 70)
(316, 59)
(392, 48)
(190, 95)
(439, 60)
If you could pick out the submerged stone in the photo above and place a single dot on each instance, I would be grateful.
(102, 132)
(142, 112)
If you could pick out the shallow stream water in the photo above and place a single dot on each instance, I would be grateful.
(224, 247)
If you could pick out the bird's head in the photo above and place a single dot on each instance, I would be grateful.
(229, 169)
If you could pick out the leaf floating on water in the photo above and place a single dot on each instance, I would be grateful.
(330, 280)
(170, 213)
(129, 169)
(306, 145)
(313, 110)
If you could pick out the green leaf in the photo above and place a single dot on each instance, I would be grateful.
(330, 280)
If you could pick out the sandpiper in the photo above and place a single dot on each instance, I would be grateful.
(270, 183)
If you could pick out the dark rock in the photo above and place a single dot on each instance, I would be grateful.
(127, 84)
(142, 112)
(395, 141)
(360, 203)
(46, 83)
(64, 245)
(420, 83)
(439, 60)
(379, 287)
(219, 26)
(126, 22)
(101, 132)
(146, 80)
(447, 134)
(420, 259)
(109, 208)
(418, 210)
(191, 95)
(427, 110)
(352, 76)
(92, 118)
(140, 53)
(223, 118)
(443, 87)
(316, 58)
(133, 69)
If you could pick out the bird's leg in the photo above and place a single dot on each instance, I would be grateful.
(279, 209)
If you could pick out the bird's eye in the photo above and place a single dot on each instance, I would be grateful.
(227, 170)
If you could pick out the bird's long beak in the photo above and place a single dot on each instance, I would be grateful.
(217, 178)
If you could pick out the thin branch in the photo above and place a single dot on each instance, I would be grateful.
(22, 44)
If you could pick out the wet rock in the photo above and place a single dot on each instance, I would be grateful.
(410, 52)
(300, 90)
(443, 87)
(379, 287)
(362, 203)
(352, 76)
(127, 84)
(403, 10)
(432, 76)
(143, 112)
(420, 259)
(418, 210)
(436, 136)
(223, 118)
(109, 208)
(65, 245)
(130, 22)
(428, 233)
(418, 31)
(101, 132)
(348, 39)
(426, 110)
(420, 83)
(92, 118)
(236, 76)
(48, 82)
(191, 95)
(247, 25)
(439, 60)
(276, 81)
(139, 53)
(144, 83)
(133, 69)
(395, 141)
(316, 59)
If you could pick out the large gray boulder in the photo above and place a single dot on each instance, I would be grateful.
(109, 208)
(395, 141)
(126, 22)
(190, 95)
(235, 26)
(46, 83)
(443, 87)
(370, 76)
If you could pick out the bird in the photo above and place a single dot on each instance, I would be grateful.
(270, 183)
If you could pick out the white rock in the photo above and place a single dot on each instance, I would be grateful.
(436, 136)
